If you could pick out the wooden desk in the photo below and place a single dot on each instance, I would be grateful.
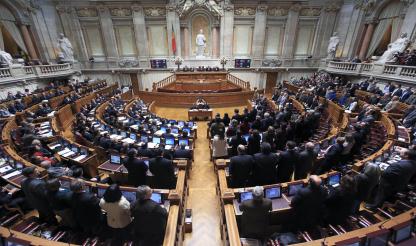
(200, 113)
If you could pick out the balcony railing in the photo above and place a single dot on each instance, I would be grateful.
(164, 82)
(18, 73)
(383, 71)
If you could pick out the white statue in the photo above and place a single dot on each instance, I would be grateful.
(397, 46)
(200, 43)
(65, 46)
(6, 58)
(332, 46)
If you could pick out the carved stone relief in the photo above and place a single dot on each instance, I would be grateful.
(87, 12)
(121, 12)
(155, 12)
(244, 11)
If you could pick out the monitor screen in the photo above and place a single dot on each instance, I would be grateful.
(100, 192)
(174, 130)
(146, 162)
(156, 140)
(114, 131)
(172, 122)
(185, 129)
(158, 63)
(334, 179)
(156, 197)
(74, 149)
(129, 195)
(169, 141)
(181, 123)
(84, 151)
(185, 141)
(246, 137)
(403, 233)
(379, 240)
(293, 189)
(115, 159)
(144, 139)
(163, 129)
(242, 63)
(133, 136)
(248, 195)
(273, 193)
(191, 124)
(65, 184)
(12, 241)
(123, 134)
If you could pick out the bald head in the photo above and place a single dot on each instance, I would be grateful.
(309, 146)
(315, 181)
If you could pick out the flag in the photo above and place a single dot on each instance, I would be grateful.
(173, 41)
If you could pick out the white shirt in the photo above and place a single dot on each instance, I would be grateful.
(118, 213)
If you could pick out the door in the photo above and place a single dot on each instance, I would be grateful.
(271, 82)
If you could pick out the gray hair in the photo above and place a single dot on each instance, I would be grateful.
(142, 192)
(258, 192)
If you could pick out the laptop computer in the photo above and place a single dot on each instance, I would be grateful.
(334, 179)
(115, 159)
(293, 188)
(156, 197)
(273, 193)
(247, 195)
(183, 141)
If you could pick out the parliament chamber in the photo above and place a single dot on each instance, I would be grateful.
(208, 122)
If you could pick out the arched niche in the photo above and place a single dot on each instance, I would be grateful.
(11, 39)
(199, 18)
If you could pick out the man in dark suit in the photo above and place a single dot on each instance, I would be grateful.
(406, 94)
(182, 152)
(235, 141)
(332, 156)
(150, 219)
(86, 209)
(137, 169)
(308, 205)
(264, 171)
(410, 119)
(241, 167)
(398, 91)
(306, 161)
(163, 171)
(396, 177)
(35, 193)
(287, 162)
(256, 215)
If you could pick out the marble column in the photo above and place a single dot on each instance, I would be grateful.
(79, 38)
(227, 31)
(215, 41)
(172, 20)
(291, 31)
(409, 22)
(366, 42)
(28, 42)
(186, 41)
(140, 32)
(109, 36)
(1, 41)
(259, 34)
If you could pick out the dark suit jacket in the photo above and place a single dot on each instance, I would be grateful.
(182, 153)
(255, 218)
(264, 171)
(137, 171)
(164, 173)
(35, 193)
(241, 167)
(308, 206)
(399, 174)
(287, 162)
(305, 164)
(149, 222)
(339, 206)
(253, 145)
(145, 152)
(86, 209)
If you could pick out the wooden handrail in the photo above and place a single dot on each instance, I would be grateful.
(239, 82)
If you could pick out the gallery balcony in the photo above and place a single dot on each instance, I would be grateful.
(19, 73)
(396, 73)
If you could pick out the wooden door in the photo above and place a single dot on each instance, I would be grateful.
(271, 82)
(135, 83)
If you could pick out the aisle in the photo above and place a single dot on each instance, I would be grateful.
(202, 198)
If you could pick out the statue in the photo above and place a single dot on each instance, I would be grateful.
(200, 43)
(65, 46)
(397, 46)
(332, 46)
(6, 58)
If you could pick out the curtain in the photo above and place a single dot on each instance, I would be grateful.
(395, 29)
(387, 17)
(15, 33)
